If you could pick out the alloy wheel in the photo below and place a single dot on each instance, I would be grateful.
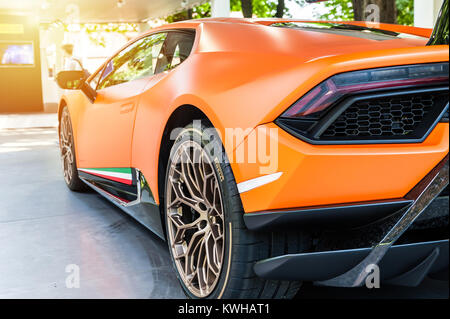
(195, 218)
(65, 142)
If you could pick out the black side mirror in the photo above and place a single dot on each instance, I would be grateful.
(70, 80)
(76, 80)
(90, 93)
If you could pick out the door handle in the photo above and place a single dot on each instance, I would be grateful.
(126, 108)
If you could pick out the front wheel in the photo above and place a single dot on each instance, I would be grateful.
(212, 251)
(68, 157)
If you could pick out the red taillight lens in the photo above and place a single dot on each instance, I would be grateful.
(330, 91)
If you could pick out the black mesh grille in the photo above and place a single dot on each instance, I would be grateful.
(401, 116)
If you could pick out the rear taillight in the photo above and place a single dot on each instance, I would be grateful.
(316, 102)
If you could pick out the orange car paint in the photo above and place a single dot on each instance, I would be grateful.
(328, 174)
(242, 74)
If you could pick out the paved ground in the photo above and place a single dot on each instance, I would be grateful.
(9, 121)
(44, 227)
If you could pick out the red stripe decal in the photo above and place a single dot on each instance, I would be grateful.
(116, 179)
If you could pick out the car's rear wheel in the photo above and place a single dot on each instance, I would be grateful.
(68, 157)
(211, 249)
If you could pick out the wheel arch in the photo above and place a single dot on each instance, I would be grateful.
(61, 105)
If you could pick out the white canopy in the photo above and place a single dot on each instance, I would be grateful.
(97, 11)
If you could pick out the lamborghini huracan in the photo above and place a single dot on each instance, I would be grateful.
(353, 118)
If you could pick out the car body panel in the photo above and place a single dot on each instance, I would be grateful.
(106, 128)
(243, 74)
(315, 175)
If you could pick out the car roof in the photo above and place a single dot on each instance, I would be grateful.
(423, 32)
(257, 36)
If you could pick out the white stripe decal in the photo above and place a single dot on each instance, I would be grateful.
(105, 173)
(257, 182)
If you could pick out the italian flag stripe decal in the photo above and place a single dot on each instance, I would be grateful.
(121, 175)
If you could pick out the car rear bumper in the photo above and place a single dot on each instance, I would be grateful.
(355, 214)
(403, 265)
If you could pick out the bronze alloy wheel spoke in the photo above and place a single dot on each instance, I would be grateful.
(66, 140)
(195, 218)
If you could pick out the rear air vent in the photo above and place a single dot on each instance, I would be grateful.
(394, 117)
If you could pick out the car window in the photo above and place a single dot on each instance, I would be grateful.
(135, 62)
(176, 49)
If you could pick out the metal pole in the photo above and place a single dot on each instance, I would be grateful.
(220, 8)
(426, 12)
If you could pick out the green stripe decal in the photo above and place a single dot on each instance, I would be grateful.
(124, 170)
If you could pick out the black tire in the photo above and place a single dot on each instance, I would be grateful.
(74, 183)
(242, 247)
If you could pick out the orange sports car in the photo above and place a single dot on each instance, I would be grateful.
(271, 152)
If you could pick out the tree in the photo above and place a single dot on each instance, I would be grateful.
(391, 11)
(280, 9)
(387, 10)
(338, 10)
(247, 8)
(96, 32)
(259, 8)
(198, 12)
(405, 12)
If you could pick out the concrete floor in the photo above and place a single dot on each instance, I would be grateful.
(44, 227)
(28, 120)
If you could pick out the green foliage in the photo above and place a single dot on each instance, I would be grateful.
(338, 10)
(343, 10)
(235, 5)
(95, 32)
(264, 9)
(198, 12)
(261, 9)
(202, 11)
(405, 12)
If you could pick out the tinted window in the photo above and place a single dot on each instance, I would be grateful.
(135, 62)
(176, 49)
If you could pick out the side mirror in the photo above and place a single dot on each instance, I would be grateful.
(70, 80)
(76, 80)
